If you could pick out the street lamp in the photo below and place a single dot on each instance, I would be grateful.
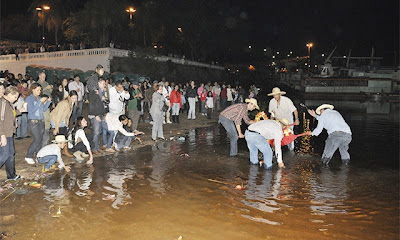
(309, 45)
(43, 9)
(130, 10)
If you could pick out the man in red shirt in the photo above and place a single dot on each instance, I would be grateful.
(231, 119)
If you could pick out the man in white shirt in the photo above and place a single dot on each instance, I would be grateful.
(339, 132)
(166, 93)
(282, 107)
(80, 89)
(118, 96)
(257, 135)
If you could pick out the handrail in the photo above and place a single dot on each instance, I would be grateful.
(112, 52)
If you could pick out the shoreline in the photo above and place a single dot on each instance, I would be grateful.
(31, 172)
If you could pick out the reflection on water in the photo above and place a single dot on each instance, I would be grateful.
(128, 194)
(329, 191)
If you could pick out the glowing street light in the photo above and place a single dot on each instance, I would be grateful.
(309, 45)
(249, 46)
(43, 9)
(130, 10)
(180, 29)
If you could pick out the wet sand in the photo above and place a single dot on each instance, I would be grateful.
(170, 130)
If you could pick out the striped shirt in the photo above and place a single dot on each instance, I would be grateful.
(236, 113)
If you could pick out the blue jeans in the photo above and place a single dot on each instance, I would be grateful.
(48, 160)
(36, 127)
(124, 141)
(104, 131)
(22, 130)
(334, 141)
(257, 142)
(231, 130)
(7, 157)
(224, 103)
(110, 139)
(96, 128)
(77, 111)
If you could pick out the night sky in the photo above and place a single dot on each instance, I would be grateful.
(289, 25)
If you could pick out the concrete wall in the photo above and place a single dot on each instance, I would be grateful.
(85, 60)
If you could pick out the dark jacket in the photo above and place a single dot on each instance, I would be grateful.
(96, 105)
(191, 92)
(93, 83)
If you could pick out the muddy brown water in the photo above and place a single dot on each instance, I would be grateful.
(159, 192)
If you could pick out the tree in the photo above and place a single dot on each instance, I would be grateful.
(96, 22)
(52, 19)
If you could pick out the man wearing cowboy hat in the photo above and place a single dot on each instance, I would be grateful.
(257, 136)
(282, 107)
(51, 153)
(231, 119)
(338, 130)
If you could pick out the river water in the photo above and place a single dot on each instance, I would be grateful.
(186, 188)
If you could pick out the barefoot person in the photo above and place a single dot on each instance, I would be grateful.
(339, 132)
(231, 119)
(7, 129)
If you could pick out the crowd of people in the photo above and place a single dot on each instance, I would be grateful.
(114, 110)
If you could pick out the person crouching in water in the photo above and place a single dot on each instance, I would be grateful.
(52, 153)
(231, 119)
(115, 124)
(79, 144)
(122, 141)
(257, 135)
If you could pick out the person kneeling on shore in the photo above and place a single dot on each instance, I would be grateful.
(79, 144)
(51, 153)
(257, 135)
(121, 140)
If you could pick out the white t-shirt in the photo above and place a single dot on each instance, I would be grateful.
(284, 110)
(79, 134)
(210, 102)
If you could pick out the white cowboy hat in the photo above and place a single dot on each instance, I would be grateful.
(60, 139)
(284, 121)
(275, 91)
(323, 106)
(253, 101)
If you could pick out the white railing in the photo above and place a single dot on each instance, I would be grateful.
(111, 52)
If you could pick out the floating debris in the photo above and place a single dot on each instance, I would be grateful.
(184, 155)
(240, 187)
(35, 184)
(181, 139)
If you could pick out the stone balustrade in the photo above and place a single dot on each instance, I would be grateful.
(85, 59)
